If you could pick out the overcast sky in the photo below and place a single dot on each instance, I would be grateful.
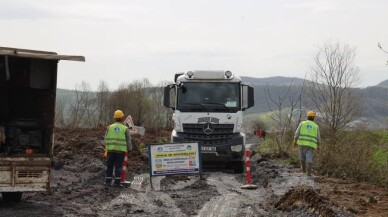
(128, 40)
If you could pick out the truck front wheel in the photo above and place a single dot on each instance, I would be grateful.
(12, 196)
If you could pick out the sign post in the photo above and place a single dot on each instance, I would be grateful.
(174, 159)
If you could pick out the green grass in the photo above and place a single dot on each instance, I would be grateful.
(380, 158)
(358, 155)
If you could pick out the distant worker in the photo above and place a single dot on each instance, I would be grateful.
(307, 137)
(260, 134)
(117, 142)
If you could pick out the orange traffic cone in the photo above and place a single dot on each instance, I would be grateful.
(124, 170)
(248, 171)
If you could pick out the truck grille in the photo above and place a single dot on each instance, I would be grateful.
(221, 134)
(29, 174)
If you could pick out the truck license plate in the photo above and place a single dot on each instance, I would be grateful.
(208, 149)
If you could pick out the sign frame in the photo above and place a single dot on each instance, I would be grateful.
(176, 155)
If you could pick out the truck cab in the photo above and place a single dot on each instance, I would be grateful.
(208, 108)
(28, 83)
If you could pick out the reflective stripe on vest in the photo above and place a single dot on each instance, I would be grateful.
(308, 135)
(115, 139)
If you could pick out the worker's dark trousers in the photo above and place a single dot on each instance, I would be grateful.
(114, 160)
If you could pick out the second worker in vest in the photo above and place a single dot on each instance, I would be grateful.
(117, 142)
(307, 137)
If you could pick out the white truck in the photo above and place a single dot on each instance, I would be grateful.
(208, 108)
(28, 84)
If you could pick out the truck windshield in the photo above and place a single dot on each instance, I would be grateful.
(209, 97)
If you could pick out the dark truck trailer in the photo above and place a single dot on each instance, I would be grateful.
(28, 83)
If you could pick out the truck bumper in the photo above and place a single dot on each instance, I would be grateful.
(218, 153)
(24, 173)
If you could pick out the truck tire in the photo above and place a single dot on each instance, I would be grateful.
(12, 196)
(238, 167)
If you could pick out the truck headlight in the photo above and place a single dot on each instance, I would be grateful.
(236, 148)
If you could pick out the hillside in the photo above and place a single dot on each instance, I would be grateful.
(383, 84)
(375, 97)
(374, 106)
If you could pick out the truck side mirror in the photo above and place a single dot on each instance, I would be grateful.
(247, 97)
(169, 96)
(251, 97)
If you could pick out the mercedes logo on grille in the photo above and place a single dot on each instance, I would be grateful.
(208, 128)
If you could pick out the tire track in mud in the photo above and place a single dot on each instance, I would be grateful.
(233, 201)
(278, 197)
(138, 182)
(225, 205)
(139, 199)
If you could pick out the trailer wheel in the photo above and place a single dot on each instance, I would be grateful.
(12, 196)
(238, 167)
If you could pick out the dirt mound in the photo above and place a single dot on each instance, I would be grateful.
(85, 146)
(366, 199)
(307, 198)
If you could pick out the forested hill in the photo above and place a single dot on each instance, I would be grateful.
(375, 98)
(383, 84)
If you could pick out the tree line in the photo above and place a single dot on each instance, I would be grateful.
(84, 108)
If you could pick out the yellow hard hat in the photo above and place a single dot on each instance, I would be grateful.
(118, 114)
(311, 114)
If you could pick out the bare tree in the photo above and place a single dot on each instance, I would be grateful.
(120, 99)
(83, 108)
(141, 103)
(60, 108)
(334, 75)
(163, 117)
(282, 113)
(381, 48)
(103, 104)
(134, 99)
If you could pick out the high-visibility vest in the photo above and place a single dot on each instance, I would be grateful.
(115, 139)
(308, 135)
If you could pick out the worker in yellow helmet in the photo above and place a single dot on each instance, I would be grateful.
(307, 137)
(117, 142)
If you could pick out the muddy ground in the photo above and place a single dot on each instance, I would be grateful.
(78, 176)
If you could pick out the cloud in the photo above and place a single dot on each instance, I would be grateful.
(13, 10)
(317, 6)
(71, 9)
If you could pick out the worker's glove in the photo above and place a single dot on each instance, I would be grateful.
(318, 149)
(105, 154)
(294, 144)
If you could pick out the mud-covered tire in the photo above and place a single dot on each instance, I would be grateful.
(238, 167)
(12, 196)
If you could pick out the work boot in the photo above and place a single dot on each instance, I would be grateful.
(108, 182)
(118, 183)
(308, 168)
(303, 166)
